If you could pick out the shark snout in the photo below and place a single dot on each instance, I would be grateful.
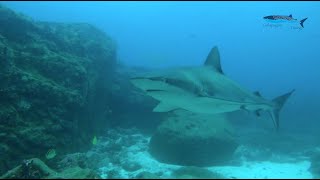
(149, 84)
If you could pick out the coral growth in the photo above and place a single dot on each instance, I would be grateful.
(36, 169)
(56, 83)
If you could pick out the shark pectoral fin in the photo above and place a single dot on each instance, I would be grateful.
(164, 107)
(213, 60)
(275, 118)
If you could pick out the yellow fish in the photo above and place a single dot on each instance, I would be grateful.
(94, 140)
(51, 154)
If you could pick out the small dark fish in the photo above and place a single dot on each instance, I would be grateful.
(284, 18)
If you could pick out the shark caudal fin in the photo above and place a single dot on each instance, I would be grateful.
(302, 21)
(279, 101)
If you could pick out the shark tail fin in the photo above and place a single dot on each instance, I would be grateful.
(279, 101)
(302, 21)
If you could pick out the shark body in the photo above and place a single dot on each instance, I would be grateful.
(205, 89)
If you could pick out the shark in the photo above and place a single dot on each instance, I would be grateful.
(204, 89)
(282, 18)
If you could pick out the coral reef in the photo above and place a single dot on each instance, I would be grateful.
(56, 81)
(127, 150)
(36, 169)
(111, 151)
(194, 140)
(30, 169)
(61, 85)
(123, 153)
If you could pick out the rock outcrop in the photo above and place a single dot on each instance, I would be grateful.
(194, 140)
(56, 83)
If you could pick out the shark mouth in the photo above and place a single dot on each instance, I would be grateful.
(157, 79)
(185, 85)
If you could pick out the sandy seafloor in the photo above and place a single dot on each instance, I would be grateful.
(246, 169)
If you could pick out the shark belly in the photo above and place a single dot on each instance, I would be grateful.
(209, 105)
(172, 101)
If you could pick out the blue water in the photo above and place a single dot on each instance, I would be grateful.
(273, 60)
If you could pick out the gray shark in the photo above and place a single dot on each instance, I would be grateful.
(205, 89)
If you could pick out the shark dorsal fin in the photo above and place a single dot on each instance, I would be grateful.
(290, 15)
(213, 60)
(257, 93)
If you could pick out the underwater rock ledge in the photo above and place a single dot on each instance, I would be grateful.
(55, 83)
(194, 140)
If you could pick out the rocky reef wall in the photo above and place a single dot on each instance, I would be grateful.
(56, 81)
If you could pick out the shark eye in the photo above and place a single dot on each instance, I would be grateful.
(175, 82)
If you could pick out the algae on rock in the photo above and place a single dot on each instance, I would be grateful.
(56, 81)
(34, 168)
(194, 140)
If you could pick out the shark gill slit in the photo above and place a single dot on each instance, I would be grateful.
(154, 90)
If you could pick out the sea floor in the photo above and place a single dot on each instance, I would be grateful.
(266, 170)
(137, 157)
